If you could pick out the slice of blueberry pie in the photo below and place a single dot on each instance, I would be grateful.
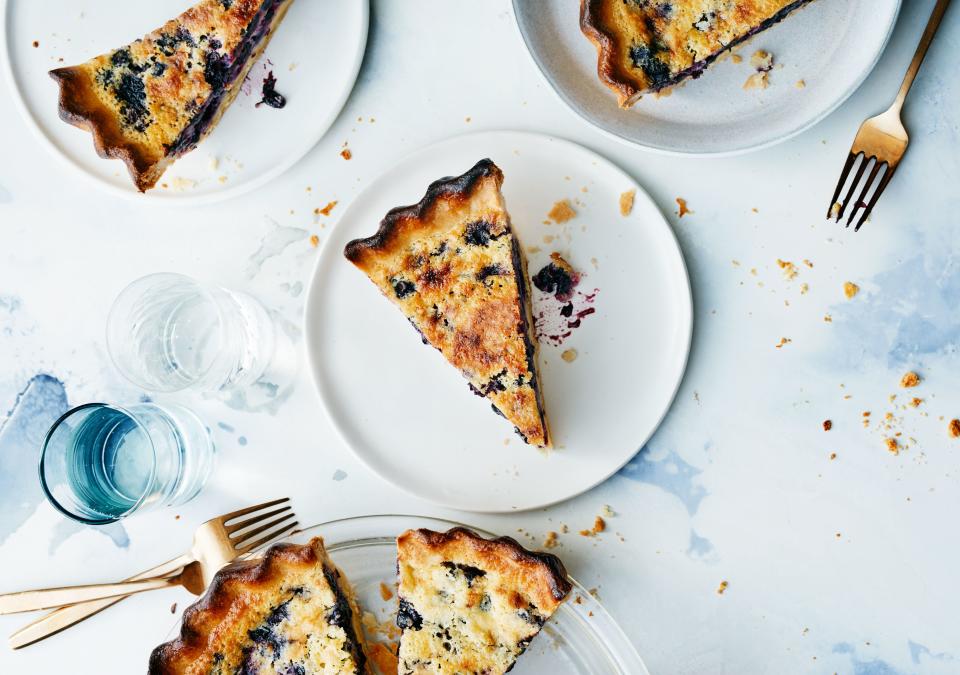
(290, 613)
(469, 604)
(646, 45)
(156, 98)
(454, 267)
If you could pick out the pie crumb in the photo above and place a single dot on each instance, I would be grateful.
(915, 402)
(758, 80)
(893, 446)
(608, 511)
(827, 425)
(385, 592)
(833, 456)
(684, 209)
(550, 541)
(789, 269)
(722, 587)
(783, 341)
(827, 318)
(954, 428)
(911, 379)
(762, 60)
(561, 212)
(569, 355)
(736, 58)
(800, 84)
(173, 608)
(850, 289)
(314, 240)
(325, 211)
(599, 525)
(36, 43)
(346, 154)
(626, 202)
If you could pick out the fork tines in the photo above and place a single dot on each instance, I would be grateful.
(243, 534)
(838, 208)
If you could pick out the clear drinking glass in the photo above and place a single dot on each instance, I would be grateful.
(101, 462)
(167, 332)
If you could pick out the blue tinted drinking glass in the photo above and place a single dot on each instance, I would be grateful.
(101, 462)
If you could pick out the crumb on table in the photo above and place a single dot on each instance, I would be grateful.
(910, 379)
(626, 202)
(850, 289)
(561, 212)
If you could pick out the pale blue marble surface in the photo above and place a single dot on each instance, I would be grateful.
(834, 566)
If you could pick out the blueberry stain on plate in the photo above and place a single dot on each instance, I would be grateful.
(269, 93)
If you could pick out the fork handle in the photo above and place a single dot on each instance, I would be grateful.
(47, 598)
(64, 617)
(932, 25)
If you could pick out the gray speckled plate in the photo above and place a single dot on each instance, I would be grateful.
(714, 114)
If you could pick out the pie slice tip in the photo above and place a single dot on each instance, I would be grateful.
(646, 47)
(151, 101)
(453, 265)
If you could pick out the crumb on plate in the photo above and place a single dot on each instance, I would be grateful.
(569, 355)
(385, 592)
(561, 212)
(346, 154)
(827, 425)
(892, 445)
(954, 428)
(850, 289)
(684, 209)
(626, 202)
(783, 341)
(762, 60)
(550, 541)
(314, 240)
(325, 211)
(758, 80)
(722, 587)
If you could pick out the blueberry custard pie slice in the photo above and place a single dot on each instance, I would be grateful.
(647, 46)
(155, 99)
(469, 604)
(290, 613)
(453, 265)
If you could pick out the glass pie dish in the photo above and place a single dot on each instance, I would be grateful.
(580, 639)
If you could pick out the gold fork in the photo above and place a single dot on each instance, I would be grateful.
(882, 140)
(215, 543)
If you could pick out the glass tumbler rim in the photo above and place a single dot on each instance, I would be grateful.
(43, 453)
(112, 347)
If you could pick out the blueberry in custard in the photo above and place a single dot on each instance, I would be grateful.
(469, 604)
(453, 265)
(290, 613)
(156, 98)
(647, 46)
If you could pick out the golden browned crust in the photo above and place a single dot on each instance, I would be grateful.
(238, 589)
(81, 108)
(405, 222)
(541, 575)
(454, 267)
(147, 102)
(647, 47)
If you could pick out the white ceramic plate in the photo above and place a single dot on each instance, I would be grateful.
(580, 638)
(832, 45)
(315, 56)
(410, 416)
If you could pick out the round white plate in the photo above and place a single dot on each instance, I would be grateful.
(409, 415)
(832, 45)
(581, 638)
(315, 55)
